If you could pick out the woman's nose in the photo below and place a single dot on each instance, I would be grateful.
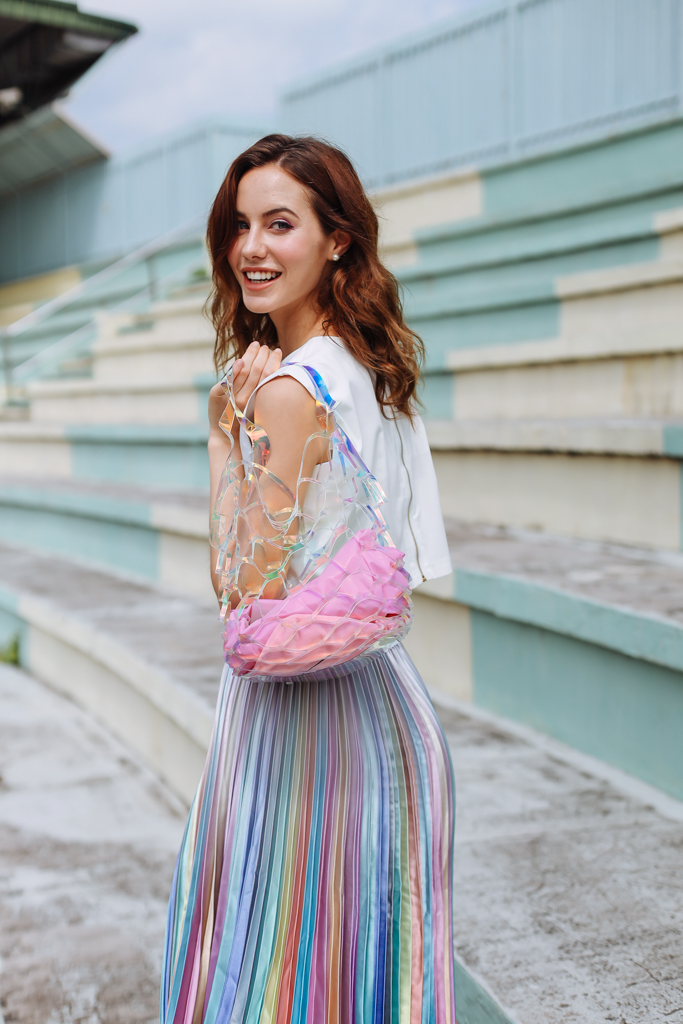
(254, 245)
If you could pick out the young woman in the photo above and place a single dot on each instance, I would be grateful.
(313, 884)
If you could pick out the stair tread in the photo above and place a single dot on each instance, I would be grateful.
(595, 435)
(176, 635)
(548, 850)
(645, 581)
(105, 490)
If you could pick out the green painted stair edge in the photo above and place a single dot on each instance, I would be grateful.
(634, 633)
(474, 1003)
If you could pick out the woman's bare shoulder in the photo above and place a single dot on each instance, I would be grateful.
(284, 404)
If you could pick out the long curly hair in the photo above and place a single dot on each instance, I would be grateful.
(358, 297)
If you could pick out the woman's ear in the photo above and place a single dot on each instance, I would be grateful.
(341, 240)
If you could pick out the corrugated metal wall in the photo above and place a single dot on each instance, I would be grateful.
(105, 209)
(510, 78)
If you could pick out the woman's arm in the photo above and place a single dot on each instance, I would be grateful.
(287, 413)
(257, 363)
(268, 521)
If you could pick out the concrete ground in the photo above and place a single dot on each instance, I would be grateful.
(568, 880)
(88, 840)
(569, 902)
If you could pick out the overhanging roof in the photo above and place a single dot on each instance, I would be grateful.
(44, 144)
(45, 46)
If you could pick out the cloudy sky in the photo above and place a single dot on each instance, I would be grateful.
(194, 58)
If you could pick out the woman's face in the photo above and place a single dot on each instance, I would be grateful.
(281, 251)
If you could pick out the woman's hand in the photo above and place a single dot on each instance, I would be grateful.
(257, 363)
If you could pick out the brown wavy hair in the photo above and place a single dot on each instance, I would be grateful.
(359, 298)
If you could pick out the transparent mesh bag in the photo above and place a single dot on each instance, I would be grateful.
(309, 578)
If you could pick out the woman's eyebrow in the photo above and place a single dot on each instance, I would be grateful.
(280, 209)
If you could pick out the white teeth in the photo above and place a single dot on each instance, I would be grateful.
(261, 275)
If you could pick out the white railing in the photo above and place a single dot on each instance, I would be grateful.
(14, 372)
(508, 79)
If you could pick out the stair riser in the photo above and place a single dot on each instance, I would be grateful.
(646, 386)
(114, 330)
(36, 460)
(557, 683)
(176, 561)
(174, 365)
(177, 466)
(174, 406)
(119, 691)
(612, 498)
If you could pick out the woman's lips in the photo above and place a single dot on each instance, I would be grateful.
(259, 286)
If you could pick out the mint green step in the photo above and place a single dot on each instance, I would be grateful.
(489, 279)
(169, 456)
(166, 456)
(155, 535)
(582, 641)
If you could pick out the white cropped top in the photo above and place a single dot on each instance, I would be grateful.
(395, 451)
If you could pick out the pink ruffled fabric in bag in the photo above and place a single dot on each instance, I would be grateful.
(361, 597)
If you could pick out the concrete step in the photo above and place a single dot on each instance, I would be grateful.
(619, 351)
(168, 456)
(512, 593)
(173, 341)
(142, 357)
(611, 479)
(160, 536)
(504, 289)
(176, 317)
(89, 837)
(92, 401)
(148, 666)
(146, 662)
(558, 633)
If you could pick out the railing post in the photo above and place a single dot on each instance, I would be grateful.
(152, 277)
(512, 77)
(6, 363)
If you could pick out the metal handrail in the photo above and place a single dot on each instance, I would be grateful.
(23, 370)
(38, 316)
(101, 277)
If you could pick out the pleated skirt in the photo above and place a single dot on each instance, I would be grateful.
(314, 880)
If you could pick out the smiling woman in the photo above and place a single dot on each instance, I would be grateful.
(314, 883)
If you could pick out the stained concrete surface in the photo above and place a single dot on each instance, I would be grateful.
(568, 887)
(645, 580)
(568, 883)
(88, 840)
(180, 636)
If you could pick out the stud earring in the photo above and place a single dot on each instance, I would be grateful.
(335, 257)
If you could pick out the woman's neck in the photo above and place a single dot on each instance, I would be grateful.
(294, 328)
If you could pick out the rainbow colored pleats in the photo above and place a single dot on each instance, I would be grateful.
(314, 881)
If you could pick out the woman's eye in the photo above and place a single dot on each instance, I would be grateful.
(242, 225)
(280, 225)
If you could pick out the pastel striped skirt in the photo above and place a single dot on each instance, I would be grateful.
(314, 881)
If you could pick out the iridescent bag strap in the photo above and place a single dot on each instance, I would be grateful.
(322, 395)
(325, 397)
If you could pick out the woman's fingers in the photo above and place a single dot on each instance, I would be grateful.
(273, 364)
(257, 363)
(217, 401)
(250, 377)
(241, 366)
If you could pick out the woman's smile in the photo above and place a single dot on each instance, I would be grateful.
(258, 279)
